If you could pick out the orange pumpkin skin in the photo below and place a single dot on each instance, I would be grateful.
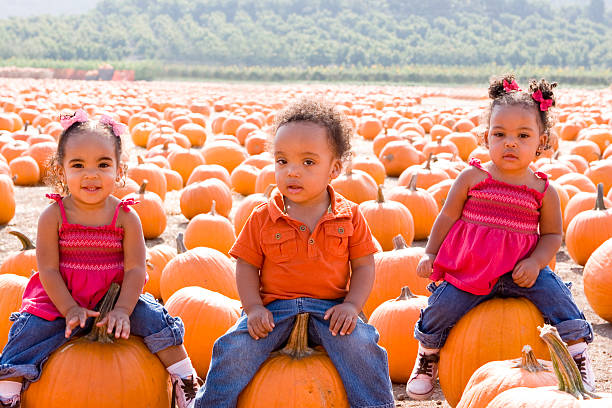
(157, 258)
(22, 262)
(546, 397)
(494, 330)
(207, 315)
(7, 204)
(495, 377)
(200, 266)
(82, 373)
(395, 320)
(11, 292)
(210, 230)
(150, 210)
(355, 185)
(598, 280)
(422, 206)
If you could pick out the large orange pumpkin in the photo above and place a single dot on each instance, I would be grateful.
(157, 258)
(22, 262)
(210, 230)
(598, 280)
(494, 330)
(11, 292)
(356, 185)
(420, 202)
(7, 204)
(300, 377)
(197, 198)
(150, 210)
(207, 315)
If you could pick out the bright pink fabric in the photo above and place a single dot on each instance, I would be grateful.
(90, 259)
(499, 226)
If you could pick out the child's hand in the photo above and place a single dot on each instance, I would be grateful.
(425, 266)
(77, 316)
(525, 273)
(342, 318)
(259, 322)
(119, 320)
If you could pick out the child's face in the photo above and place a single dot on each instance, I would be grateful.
(305, 162)
(90, 167)
(514, 137)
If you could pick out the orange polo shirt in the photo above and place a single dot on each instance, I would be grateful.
(295, 262)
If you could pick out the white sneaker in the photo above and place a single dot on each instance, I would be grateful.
(184, 390)
(421, 384)
(14, 402)
(586, 370)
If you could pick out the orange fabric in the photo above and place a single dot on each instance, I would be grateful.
(295, 263)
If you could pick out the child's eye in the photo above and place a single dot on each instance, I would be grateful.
(524, 135)
(281, 161)
(498, 134)
(77, 165)
(104, 165)
(309, 162)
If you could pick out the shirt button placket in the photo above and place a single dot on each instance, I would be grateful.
(311, 248)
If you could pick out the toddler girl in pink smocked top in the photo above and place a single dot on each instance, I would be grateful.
(87, 239)
(498, 230)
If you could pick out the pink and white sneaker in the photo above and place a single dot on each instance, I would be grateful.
(184, 390)
(586, 370)
(421, 384)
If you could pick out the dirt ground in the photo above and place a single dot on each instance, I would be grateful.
(31, 200)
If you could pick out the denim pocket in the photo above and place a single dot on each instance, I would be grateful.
(438, 289)
(19, 323)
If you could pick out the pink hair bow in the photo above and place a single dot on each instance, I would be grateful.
(118, 128)
(544, 103)
(68, 120)
(512, 86)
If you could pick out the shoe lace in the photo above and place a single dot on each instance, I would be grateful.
(189, 386)
(426, 363)
(581, 363)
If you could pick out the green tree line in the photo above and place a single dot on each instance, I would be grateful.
(300, 34)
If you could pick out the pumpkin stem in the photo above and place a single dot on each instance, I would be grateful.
(100, 334)
(399, 242)
(297, 345)
(180, 244)
(143, 186)
(26, 243)
(140, 159)
(381, 197)
(212, 208)
(406, 294)
(413, 181)
(564, 365)
(529, 361)
(268, 190)
(599, 201)
(428, 164)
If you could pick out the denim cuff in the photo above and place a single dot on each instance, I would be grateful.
(172, 335)
(576, 329)
(28, 371)
(430, 341)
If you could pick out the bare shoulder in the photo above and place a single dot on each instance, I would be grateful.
(128, 219)
(470, 176)
(51, 215)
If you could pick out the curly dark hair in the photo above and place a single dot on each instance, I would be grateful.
(500, 96)
(322, 113)
(53, 177)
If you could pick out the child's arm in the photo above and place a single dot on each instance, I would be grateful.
(259, 319)
(527, 270)
(343, 317)
(450, 213)
(134, 256)
(47, 257)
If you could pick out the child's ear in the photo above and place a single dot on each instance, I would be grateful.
(336, 169)
(485, 137)
(543, 142)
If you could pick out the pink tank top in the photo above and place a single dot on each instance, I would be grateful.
(499, 226)
(90, 259)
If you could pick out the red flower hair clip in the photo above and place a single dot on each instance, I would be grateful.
(545, 104)
(511, 87)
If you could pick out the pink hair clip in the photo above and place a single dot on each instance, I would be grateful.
(545, 104)
(118, 128)
(512, 86)
(68, 120)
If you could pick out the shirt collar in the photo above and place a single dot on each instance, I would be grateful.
(339, 206)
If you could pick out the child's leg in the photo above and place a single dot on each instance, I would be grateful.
(360, 361)
(445, 307)
(556, 303)
(237, 356)
(30, 342)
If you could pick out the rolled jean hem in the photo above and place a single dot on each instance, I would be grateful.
(430, 341)
(28, 371)
(576, 329)
(169, 336)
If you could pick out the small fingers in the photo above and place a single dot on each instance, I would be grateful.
(252, 331)
(349, 323)
(336, 322)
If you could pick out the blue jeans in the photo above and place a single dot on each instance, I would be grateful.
(549, 294)
(32, 339)
(236, 357)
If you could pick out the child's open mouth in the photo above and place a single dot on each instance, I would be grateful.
(294, 189)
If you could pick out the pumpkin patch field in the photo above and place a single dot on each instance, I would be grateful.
(197, 162)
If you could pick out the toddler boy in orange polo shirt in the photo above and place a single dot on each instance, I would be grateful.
(296, 254)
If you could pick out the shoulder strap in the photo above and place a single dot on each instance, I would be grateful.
(476, 163)
(58, 199)
(544, 177)
(125, 205)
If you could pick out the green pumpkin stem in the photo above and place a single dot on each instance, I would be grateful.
(529, 361)
(568, 375)
(100, 334)
(406, 294)
(599, 201)
(297, 345)
(26, 243)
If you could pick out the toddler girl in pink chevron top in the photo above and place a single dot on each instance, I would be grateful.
(499, 228)
(87, 239)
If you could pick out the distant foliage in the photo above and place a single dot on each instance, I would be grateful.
(298, 33)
